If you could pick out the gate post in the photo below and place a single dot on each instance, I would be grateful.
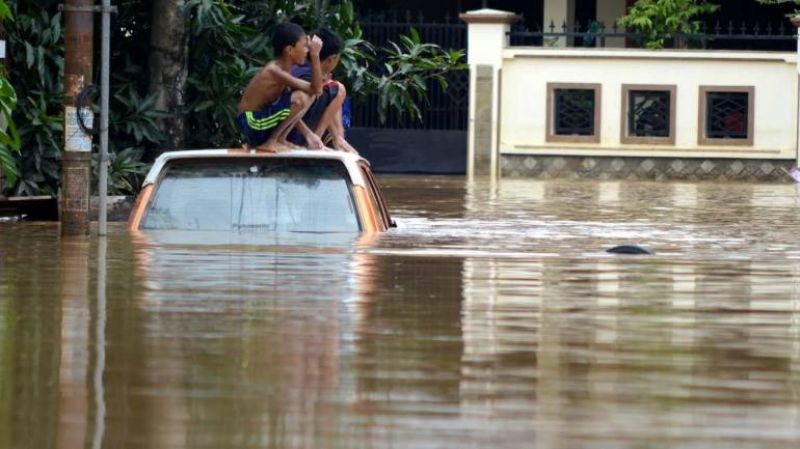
(487, 37)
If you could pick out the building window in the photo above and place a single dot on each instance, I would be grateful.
(573, 112)
(648, 114)
(726, 115)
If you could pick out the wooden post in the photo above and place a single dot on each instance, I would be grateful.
(76, 165)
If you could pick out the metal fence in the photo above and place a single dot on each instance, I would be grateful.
(729, 36)
(447, 109)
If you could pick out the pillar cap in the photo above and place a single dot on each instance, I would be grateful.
(795, 20)
(488, 15)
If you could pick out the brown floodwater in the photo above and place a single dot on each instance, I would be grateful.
(491, 317)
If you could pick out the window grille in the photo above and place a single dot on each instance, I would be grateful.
(648, 113)
(574, 112)
(726, 115)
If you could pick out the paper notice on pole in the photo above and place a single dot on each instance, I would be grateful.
(2, 49)
(74, 137)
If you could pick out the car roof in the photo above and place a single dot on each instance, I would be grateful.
(349, 160)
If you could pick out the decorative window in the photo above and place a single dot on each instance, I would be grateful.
(648, 114)
(726, 115)
(573, 112)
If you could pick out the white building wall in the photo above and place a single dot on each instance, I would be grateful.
(526, 72)
(608, 12)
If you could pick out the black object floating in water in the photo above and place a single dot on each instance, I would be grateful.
(630, 249)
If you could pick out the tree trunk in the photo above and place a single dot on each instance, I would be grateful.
(169, 54)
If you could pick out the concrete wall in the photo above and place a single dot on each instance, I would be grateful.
(526, 72)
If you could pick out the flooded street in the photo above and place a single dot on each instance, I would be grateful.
(491, 317)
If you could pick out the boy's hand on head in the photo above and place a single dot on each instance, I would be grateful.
(314, 45)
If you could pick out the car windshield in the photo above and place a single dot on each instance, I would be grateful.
(292, 195)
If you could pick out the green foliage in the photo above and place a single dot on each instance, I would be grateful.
(35, 41)
(9, 137)
(5, 11)
(401, 83)
(134, 119)
(125, 171)
(35, 47)
(661, 20)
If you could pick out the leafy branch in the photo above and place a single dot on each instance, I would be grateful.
(398, 74)
(660, 20)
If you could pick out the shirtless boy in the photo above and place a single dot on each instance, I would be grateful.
(274, 100)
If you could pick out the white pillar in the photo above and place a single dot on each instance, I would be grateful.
(487, 37)
(557, 12)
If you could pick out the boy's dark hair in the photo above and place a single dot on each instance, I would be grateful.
(331, 43)
(286, 34)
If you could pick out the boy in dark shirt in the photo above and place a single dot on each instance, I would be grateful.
(325, 118)
(274, 101)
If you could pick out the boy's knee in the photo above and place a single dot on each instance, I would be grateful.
(341, 91)
(300, 99)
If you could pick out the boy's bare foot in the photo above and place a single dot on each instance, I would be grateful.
(274, 146)
(314, 142)
(285, 145)
(266, 149)
(342, 145)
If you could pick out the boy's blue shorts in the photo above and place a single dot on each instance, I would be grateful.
(258, 126)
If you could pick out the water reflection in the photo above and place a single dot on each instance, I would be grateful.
(251, 334)
(73, 407)
(492, 317)
(100, 346)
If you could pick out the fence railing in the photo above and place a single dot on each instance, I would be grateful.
(767, 36)
(447, 109)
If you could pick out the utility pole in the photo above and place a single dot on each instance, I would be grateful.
(76, 164)
(105, 67)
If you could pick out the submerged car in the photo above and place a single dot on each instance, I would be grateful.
(308, 191)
